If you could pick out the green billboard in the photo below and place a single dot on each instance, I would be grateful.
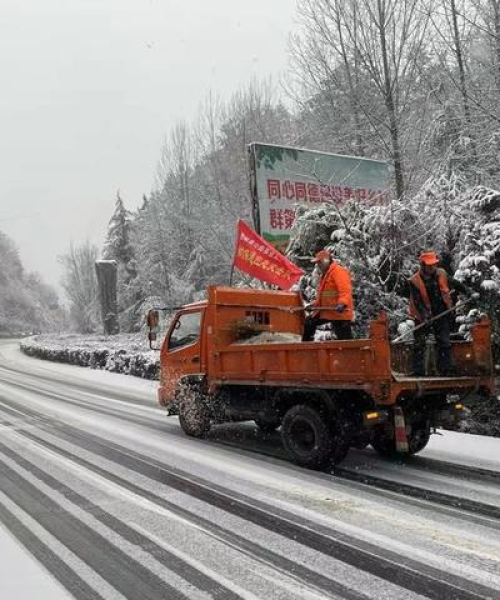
(282, 177)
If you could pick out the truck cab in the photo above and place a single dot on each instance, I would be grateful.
(182, 352)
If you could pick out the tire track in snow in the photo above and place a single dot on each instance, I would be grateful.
(59, 569)
(312, 580)
(124, 573)
(404, 572)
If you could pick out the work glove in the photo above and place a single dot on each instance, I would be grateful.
(340, 308)
(308, 307)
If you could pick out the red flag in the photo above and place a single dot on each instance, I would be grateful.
(255, 256)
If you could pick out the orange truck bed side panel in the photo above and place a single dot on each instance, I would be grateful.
(357, 364)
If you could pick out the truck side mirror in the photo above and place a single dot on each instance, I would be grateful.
(153, 320)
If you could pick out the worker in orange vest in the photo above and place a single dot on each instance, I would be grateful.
(334, 299)
(430, 295)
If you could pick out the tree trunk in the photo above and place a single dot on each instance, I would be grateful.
(495, 6)
(391, 105)
(107, 272)
(352, 79)
(461, 71)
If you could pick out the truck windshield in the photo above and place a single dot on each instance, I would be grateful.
(186, 330)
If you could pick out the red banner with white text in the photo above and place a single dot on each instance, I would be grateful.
(256, 257)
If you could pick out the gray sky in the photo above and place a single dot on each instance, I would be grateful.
(89, 88)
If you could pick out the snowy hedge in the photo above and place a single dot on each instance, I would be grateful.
(126, 354)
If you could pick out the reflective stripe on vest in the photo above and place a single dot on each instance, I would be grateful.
(330, 294)
(444, 288)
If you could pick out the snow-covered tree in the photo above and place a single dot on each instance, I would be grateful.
(479, 252)
(364, 63)
(119, 246)
(80, 284)
(183, 234)
(27, 304)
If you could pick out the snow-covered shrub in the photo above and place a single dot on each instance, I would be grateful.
(484, 418)
(360, 238)
(126, 354)
(380, 244)
(478, 252)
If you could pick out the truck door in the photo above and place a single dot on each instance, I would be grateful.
(182, 350)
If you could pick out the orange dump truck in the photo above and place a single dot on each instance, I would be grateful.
(238, 356)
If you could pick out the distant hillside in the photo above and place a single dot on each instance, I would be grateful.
(27, 304)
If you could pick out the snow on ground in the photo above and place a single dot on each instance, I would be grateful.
(21, 576)
(413, 530)
(127, 354)
(465, 449)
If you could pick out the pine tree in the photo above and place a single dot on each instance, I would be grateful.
(119, 247)
(118, 244)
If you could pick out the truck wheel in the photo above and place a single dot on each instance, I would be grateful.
(267, 426)
(306, 437)
(194, 413)
(384, 445)
(419, 438)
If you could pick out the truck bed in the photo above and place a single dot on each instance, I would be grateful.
(372, 365)
(365, 365)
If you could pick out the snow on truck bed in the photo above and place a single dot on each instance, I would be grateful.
(270, 337)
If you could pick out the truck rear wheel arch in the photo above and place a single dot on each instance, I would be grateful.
(320, 400)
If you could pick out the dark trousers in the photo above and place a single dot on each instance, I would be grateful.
(441, 329)
(342, 329)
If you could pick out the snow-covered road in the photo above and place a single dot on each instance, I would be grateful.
(112, 500)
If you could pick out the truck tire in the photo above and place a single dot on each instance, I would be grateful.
(306, 437)
(194, 413)
(267, 426)
(384, 445)
(417, 441)
(419, 438)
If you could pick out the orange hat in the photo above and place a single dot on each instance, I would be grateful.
(322, 255)
(429, 258)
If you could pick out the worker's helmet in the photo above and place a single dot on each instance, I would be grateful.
(322, 255)
(428, 257)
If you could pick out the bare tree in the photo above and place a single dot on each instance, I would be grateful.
(324, 56)
(377, 48)
(80, 284)
(452, 44)
(483, 18)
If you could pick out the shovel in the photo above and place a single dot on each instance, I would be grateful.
(440, 316)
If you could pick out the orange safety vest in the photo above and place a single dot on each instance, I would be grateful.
(418, 281)
(335, 288)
